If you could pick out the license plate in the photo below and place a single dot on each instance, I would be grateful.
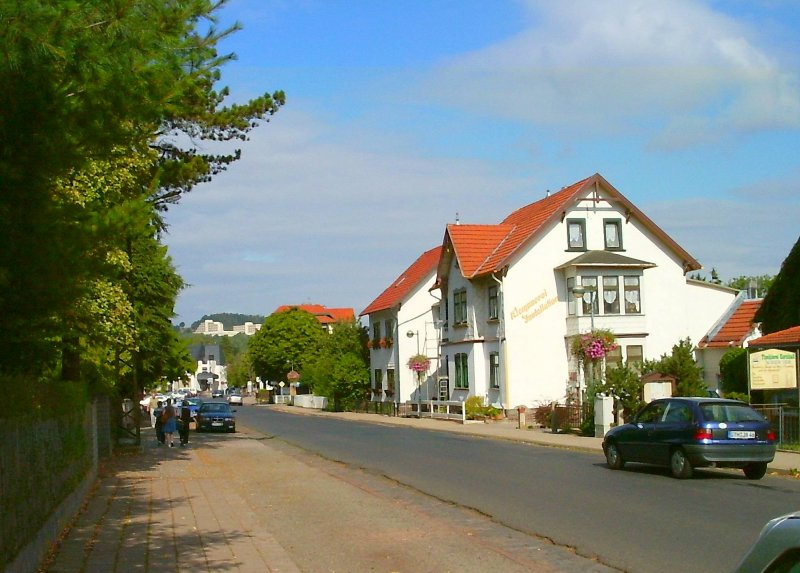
(216, 423)
(741, 435)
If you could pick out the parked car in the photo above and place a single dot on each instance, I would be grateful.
(235, 398)
(215, 416)
(217, 393)
(686, 433)
(777, 549)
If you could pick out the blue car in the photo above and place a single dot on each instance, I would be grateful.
(686, 433)
(216, 416)
(194, 406)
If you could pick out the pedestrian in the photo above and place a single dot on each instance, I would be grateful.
(159, 424)
(185, 419)
(168, 419)
(151, 406)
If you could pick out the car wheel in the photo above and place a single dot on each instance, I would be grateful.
(613, 457)
(679, 464)
(755, 470)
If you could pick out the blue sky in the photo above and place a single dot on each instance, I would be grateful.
(401, 115)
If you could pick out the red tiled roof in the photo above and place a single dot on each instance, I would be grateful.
(788, 337)
(738, 326)
(483, 249)
(324, 314)
(407, 280)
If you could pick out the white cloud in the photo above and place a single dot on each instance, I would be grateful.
(302, 219)
(674, 70)
(749, 232)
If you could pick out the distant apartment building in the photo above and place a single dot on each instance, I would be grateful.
(214, 328)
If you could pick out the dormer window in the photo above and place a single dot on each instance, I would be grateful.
(612, 231)
(576, 234)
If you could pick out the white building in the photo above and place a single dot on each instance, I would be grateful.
(509, 311)
(401, 325)
(215, 328)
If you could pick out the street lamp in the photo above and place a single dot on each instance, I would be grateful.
(578, 292)
(412, 334)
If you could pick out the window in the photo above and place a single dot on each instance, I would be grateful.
(494, 370)
(460, 306)
(376, 331)
(576, 234)
(462, 371)
(494, 306)
(614, 358)
(378, 381)
(612, 231)
(635, 354)
(590, 303)
(633, 303)
(388, 328)
(390, 381)
(610, 295)
(652, 413)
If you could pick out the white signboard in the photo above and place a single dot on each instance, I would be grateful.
(773, 369)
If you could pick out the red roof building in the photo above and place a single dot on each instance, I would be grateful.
(327, 316)
(789, 338)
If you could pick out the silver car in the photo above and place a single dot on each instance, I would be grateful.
(777, 549)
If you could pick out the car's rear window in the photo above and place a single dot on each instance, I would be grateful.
(214, 407)
(721, 412)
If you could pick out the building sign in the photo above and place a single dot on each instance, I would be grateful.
(773, 369)
(534, 307)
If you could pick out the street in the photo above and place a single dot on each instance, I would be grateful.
(639, 520)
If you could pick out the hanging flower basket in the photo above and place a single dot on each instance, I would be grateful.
(593, 346)
(419, 363)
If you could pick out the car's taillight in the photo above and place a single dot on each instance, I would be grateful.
(702, 434)
(771, 436)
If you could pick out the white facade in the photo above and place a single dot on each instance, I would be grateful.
(523, 357)
(411, 330)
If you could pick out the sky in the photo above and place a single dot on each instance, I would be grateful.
(403, 116)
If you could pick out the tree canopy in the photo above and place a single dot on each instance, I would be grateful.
(105, 105)
(286, 339)
(340, 370)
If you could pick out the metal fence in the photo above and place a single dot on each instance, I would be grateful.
(785, 420)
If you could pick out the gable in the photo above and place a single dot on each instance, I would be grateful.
(486, 249)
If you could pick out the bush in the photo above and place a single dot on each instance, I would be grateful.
(474, 407)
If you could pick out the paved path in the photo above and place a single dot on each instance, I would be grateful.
(245, 502)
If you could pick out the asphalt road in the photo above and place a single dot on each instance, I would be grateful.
(638, 520)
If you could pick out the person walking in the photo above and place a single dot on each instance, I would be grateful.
(170, 423)
(151, 406)
(185, 419)
(159, 423)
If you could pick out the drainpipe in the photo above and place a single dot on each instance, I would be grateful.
(502, 341)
